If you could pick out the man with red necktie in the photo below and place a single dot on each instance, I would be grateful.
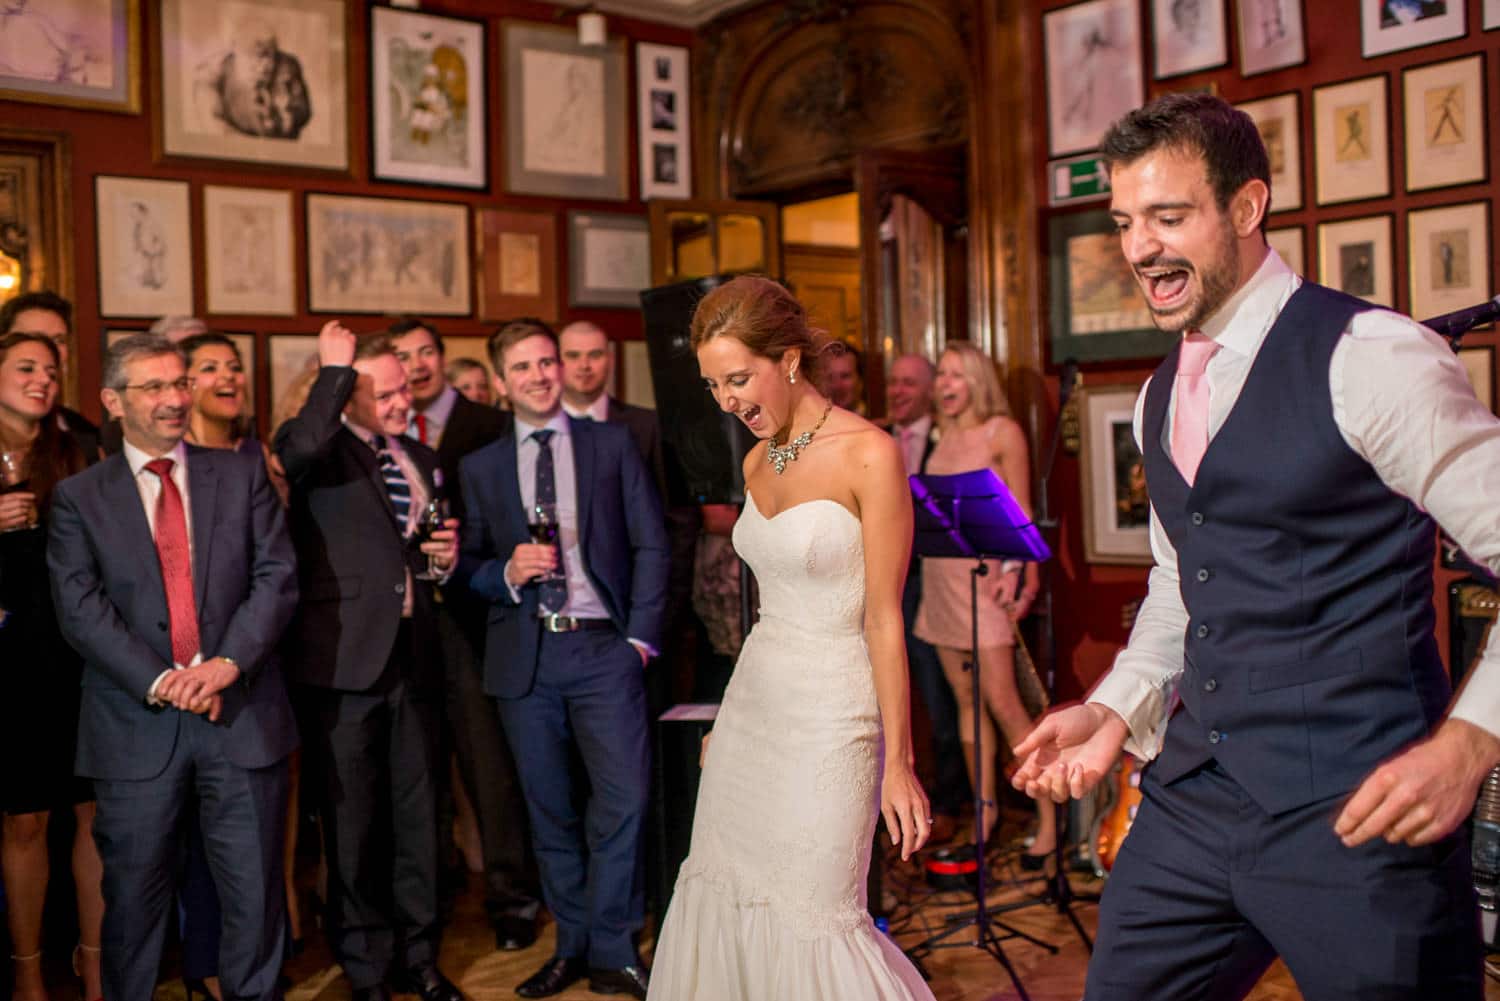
(173, 576)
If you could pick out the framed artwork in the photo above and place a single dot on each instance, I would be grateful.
(1288, 244)
(565, 114)
(1116, 507)
(1355, 256)
(1491, 15)
(291, 357)
(387, 255)
(78, 53)
(145, 240)
(249, 263)
(1448, 254)
(1280, 127)
(636, 384)
(1187, 36)
(610, 258)
(1445, 124)
(1479, 366)
(1094, 75)
(517, 261)
(244, 342)
(1351, 138)
(262, 82)
(1097, 311)
(427, 94)
(1393, 25)
(662, 120)
(1271, 35)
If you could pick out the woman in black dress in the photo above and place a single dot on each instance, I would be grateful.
(39, 713)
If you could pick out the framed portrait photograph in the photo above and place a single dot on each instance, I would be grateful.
(1271, 35)
(261, 82)
(610, 258)
(517, 260)
(1445, 124)
(1393, 25)
(1356, 256)
(1116, 507)
(145, 245)
(1187, 36)
(1288, 242)
(1280, 125)
(1094, 71)
(1448, 255)
(565, 114)
(1351, 139)
(292, 356)
(76, 53)
(427, 99)
(1096, 308)
(663, 120)
(1479, 366)
(387, 255)
(249, 261)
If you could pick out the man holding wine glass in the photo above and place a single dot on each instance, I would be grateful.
(365, 648)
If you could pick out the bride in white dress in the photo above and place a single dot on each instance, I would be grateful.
(813, 738)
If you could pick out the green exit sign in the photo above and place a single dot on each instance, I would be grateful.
(1077, 179)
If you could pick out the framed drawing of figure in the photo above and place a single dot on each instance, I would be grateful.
(1116, 507)
(1445, 123)
(387, 255)
(248, 251)
(1351, 132)
(1280, 128)
(1448, 255)
(1355, 256)
(145, 247)
(79, 53)
(1094, 74)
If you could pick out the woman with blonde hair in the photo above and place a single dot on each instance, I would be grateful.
(977, 432)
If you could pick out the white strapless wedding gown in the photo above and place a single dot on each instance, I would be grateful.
(770, 903)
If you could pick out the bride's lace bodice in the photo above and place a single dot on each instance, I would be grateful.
(809, 563)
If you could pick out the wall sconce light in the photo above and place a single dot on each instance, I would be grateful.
(10, 277)
(591, 28)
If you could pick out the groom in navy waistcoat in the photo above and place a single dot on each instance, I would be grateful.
(571, 629)
(1305, 800)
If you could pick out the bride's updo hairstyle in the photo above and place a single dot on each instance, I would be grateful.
(762, 315)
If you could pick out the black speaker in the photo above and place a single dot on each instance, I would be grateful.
(704, 447)
(679, 737)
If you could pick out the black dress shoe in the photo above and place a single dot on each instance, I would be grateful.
(553, 978)
(377, 993)
(428, 984)
(512, 934)
(626, 980)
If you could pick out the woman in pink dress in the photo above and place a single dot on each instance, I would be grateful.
(977, 431)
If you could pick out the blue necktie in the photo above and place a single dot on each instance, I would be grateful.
(551, 594)
(396, 487)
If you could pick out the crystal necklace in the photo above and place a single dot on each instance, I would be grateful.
(780, 455)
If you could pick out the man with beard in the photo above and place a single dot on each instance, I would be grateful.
(1307, 798)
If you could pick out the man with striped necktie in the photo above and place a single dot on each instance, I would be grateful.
(365, 649)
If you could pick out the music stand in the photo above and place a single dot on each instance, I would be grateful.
(973, 516)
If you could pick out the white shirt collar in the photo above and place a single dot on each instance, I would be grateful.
(440, 409)
(598, 410)
(558, 423)
(138, 458)
(920, 427)
(1241, 324)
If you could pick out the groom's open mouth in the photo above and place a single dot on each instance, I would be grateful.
(1166, 285)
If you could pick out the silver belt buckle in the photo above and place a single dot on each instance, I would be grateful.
(555, 623)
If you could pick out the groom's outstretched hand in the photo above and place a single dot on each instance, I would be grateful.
(1070, 750)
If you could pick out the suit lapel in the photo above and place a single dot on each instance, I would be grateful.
(583, 474)
(364, 457)
(123, 498)
(203, 499)
(511, 507)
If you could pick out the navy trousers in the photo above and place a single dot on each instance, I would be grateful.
(1208, 890)
(589, 693)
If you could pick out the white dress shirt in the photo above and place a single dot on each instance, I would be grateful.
(913, 440)
(1402, 402)
(148, 484)
(436, 416)
(598, 410)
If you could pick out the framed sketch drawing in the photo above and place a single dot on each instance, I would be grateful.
(145, 246)
(662, 119)
(1287, 243)
(1392, 25)
(610, 258)
(1448, 254)
(1094, 75)
(291, 357)
(1116, 508)
(1097, 311)
(427, 93)
(565, 114)
(1351, 139)
(1479, 366)
(1280, 128)
(1270, 34)
(1491, 14)
(248, 262)
(1445, 124)
(264, 82)
(517, 260)
(386, 255)
(1187, 36)
(1355, 256)
(79, 53)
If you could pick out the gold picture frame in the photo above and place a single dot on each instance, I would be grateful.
(99, 49)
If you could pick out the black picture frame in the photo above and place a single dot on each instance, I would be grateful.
(1094, 335)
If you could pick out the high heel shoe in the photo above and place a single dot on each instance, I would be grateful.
(79, 951)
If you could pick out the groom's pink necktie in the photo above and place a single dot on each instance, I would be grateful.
(1190, 418)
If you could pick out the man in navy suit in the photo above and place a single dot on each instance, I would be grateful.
(565, 657)
(173, 576)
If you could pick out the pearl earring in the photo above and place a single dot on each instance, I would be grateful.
(791, 377)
